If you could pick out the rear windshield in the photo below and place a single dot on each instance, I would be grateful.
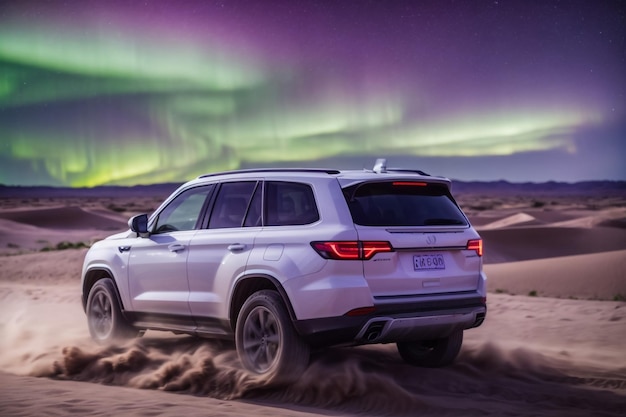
(403, 203)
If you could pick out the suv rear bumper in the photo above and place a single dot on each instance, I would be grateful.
(391, 325)
(394, 329)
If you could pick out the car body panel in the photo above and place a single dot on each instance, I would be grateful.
(157, 271)
(185, 281)
(216, 259)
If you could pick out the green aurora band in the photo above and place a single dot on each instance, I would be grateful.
(89, 105)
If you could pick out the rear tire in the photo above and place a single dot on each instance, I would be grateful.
(104, 315)
(267, 342)
(432, 353)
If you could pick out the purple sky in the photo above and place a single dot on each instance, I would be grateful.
(125, 92)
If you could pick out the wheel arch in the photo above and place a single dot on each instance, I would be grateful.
(248, 285)
(94, 275)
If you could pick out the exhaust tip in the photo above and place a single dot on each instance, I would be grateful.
(480, 318)
(374, 331)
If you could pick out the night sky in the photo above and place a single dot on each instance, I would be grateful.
(122, 92)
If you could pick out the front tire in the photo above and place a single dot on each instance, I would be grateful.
(432, 353)
(266, 340)
(104, 315)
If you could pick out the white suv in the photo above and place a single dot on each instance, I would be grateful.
(285, 260)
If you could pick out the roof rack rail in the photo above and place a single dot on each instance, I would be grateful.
(415, 171)
(262, 170)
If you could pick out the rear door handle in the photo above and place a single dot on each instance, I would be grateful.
(176, 247)
(236, 247)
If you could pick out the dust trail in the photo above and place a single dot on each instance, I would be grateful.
(366, 379)
(186, 364)
(203, 367)
(487, 378)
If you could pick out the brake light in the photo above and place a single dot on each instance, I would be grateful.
(361, 311)
(351, 250)
(476, 245)
(372, 248)
(337, 250)
(409, 183)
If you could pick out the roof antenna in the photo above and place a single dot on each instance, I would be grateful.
(380, 166)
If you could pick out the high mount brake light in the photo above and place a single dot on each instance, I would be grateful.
(476, 245)
(351, 250)
(409, 183)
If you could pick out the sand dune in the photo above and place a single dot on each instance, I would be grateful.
(558, 354)
(515, 219)
(606, 217)
(590, 276)
(33, 229)
(539, 242)
(66, 218)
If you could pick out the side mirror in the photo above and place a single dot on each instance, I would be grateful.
(139, 224)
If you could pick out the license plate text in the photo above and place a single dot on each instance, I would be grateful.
(423, 262)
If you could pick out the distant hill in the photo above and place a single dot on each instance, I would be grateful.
(502, 188)
(100, 191)
(589, 188)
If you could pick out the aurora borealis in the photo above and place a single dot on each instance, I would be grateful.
(125, 92)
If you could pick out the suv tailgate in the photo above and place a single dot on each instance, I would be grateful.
(429, 235)
(423, 262)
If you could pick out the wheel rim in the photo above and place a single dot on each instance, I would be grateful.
(101, 315)
(261, 339)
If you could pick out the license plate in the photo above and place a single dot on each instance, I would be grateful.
(424, 262)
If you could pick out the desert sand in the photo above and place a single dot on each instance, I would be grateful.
(553, 344)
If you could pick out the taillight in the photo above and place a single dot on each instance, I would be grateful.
(337, 250)
(372, 248)
(353, 249)
(476, 245)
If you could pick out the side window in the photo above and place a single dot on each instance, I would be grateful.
(231, 204)
(183, 212)
(289, 203)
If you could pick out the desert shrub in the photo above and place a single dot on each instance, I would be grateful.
(115, 208)
(532, 293)
(65, 245)
(481, 207)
